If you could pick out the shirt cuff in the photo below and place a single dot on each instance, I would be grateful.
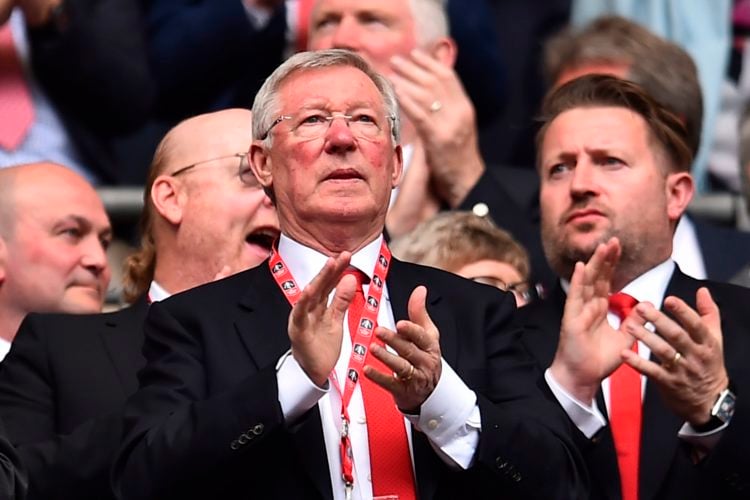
(297, 393)
(587, 418)
(450, 418)
(705, 441)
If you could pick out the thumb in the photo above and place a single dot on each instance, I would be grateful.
(706, 307)
(343, 296)
(418, 310)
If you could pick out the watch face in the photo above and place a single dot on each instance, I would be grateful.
(724, 408)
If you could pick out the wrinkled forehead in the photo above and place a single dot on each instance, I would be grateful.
(334, 87)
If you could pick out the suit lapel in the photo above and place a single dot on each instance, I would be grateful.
(402, 280)
(262, 320)
(122, 335)
(262, 327)
(660, 424)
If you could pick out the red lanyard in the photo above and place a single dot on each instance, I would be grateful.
(360, 342)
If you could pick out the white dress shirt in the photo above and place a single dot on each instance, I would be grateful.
(648, 287)
(449, 417)
(4, 348)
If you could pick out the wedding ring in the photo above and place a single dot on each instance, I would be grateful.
(436, 106)
(408, 376)
(674, 361)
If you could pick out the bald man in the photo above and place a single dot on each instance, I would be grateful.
(67, 377)
(54, 234)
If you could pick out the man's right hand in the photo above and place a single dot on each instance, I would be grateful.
(316, 328)
(589, 349)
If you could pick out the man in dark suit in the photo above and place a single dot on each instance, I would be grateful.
(12, 478)
(65, 381)
(244, 395)
(614, 168)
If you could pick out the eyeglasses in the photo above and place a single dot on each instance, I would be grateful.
(312, 124)
(519, 288)
(245, 173)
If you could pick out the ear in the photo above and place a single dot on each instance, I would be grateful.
(445, 50)
(168, 198)
(260, 162)
(680, 189)
(398, 166)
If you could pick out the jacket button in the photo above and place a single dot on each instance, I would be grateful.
(242, 439)
(235, 445)
(257, 429)
(516, 477)
(500, 463)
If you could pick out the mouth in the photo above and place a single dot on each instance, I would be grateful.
(583, 215)
(344, 174)
(262, 238)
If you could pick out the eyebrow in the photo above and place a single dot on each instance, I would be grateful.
(86, 224)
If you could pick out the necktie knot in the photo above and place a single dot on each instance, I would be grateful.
(361, 277)
(621, 304)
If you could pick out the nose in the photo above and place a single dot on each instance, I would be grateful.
(94, 257)
(347, 35)
(583, 180)
(339, 137)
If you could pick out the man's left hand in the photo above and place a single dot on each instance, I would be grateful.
(691, 373)
(417, 367)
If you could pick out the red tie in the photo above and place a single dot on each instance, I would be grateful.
(625, 409)
(16, 109)
(390, 461)
(304, 9)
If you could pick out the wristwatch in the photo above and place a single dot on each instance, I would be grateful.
(721, 412)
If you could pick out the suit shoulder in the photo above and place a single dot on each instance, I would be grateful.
(218, 291)
(447, 283)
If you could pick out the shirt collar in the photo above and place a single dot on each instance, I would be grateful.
(648, 287)
(157, 293)
(305, 263)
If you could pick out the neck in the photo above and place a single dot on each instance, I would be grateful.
(10, 321)
(334, 239)
(175, 273)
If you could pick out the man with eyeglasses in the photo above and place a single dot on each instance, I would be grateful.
(277, 382)
(64, 383)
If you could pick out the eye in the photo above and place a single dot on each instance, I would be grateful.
(557, 170)
(612, 161)
(372, 19)
(327, 22)
(105, 242)
(72, 232)
(367, 118)
(313, 119)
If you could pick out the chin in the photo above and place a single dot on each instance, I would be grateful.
(82, 302)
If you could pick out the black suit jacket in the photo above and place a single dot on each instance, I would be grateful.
(12, 477)
(666, 470)
(62, 389)
(206, 421)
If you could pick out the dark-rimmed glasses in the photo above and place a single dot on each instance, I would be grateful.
(245, 173)
(312, 124)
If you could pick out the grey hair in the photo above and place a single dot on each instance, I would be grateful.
(430, 20)
(266, 105)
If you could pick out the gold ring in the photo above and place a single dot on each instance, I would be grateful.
(408, 375)
(436, 106)
(674, 361)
